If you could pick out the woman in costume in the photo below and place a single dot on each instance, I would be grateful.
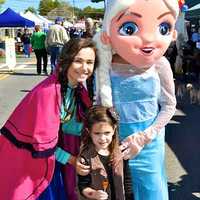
(30, 146)
(135, 77)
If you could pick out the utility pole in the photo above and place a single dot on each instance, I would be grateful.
(73, 9)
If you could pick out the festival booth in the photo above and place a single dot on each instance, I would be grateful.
(191, 3)
(9, 21)
(47, 22)
(38, 19)
(10, 18)
(194, 12)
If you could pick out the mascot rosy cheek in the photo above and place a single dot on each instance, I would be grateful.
(141, 86)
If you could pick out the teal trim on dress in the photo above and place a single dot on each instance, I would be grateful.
(62, 156)
(71, 126)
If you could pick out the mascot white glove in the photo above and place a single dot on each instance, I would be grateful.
(133, 144)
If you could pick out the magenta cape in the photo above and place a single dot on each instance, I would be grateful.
(28, 141)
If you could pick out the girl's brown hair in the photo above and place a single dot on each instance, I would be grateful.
(95, 115)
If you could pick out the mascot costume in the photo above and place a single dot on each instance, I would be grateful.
(135, 77)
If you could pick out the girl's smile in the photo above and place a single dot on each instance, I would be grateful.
(101, 135)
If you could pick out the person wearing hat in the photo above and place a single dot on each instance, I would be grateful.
(56, 37)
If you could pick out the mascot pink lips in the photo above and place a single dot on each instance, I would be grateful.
(147, 51)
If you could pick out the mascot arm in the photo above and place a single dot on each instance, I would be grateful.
(167, 99)
(134, 143)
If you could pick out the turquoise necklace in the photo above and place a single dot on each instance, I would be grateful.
(69, 107)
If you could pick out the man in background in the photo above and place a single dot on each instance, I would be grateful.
(89, 28)
(56, 37)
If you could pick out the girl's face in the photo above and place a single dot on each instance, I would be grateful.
(142, 33)
(82, 66)
(101, 135)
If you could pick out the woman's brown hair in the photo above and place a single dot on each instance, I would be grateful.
(68, 53)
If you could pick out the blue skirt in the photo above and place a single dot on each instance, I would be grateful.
(55, 190)
(148, 171)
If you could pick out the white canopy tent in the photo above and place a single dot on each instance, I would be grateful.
(39, 20)
(46, 21)
(196, 7)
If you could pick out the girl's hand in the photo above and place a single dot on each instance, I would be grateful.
(95, 194)
(81, 167)
(100, 195)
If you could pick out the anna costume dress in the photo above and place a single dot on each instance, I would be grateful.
(30, 142)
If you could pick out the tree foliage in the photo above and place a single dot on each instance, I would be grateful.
(31, 9)
(92, 12)
(47, 5)
(64, 4)
(2, 2)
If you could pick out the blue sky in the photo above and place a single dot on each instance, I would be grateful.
(21, 5)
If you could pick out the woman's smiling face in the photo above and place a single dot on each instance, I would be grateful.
(141, 38)
(82, 66)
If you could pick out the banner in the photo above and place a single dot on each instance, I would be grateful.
(10, 53)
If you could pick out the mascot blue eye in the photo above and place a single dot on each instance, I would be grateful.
(164, 28)
(128, 28)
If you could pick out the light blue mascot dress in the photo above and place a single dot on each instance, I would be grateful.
(136, 96)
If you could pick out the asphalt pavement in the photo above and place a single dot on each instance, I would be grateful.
(182, 142)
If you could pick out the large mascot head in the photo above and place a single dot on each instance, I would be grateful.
(139, 31)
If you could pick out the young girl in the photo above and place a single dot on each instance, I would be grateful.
(135, 77)
(99, 150)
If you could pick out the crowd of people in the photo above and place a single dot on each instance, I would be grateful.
(51, 41)
(185, 60)
(184, 57)
(95, 128)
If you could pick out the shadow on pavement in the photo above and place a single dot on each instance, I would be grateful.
(23, 74)
(183, 190)
(25, 91)
(184, 140)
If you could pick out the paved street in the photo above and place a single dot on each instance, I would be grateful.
(183, 152)
(15, 85)
(182, 133)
